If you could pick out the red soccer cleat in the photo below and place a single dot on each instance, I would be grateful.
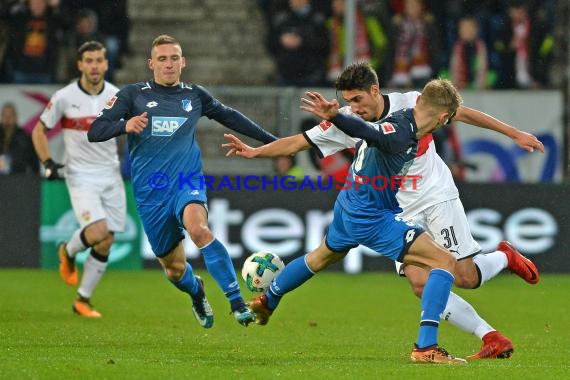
(495, 346)
(518, 264)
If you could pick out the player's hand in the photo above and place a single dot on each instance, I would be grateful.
(238, 147)
(528, 141)
(137, 124)
(319, 106)
(51, 169)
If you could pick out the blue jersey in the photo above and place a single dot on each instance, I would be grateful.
(165, 156)
(381, 162)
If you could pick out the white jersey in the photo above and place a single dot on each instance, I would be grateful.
(76, 109)
(436, 184)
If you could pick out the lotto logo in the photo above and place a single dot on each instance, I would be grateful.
(387, 128)
(166, 126)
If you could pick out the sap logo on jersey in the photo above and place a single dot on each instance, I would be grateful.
(166, 126)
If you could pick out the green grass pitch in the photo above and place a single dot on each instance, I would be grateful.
(337, 326)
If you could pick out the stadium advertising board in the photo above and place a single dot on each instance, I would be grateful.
(536, 218)
(496, 158)
(290, 223)
(58, 223)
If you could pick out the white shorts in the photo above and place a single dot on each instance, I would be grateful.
(97, 197)
(447, 224)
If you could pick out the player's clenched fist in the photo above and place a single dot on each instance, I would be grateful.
(137, 124)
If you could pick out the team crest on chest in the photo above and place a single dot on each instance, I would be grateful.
(187, 105)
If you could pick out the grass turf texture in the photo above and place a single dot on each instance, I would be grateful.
(337, 326)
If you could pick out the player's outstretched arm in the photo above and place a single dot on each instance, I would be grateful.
(480, 119)
(285, 146)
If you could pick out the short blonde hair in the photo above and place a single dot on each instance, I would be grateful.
(164, 39)
(441, 93)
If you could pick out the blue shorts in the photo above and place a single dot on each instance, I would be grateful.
(163, 222)
(385, 233)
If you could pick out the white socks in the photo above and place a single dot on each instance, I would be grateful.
(490, 264)
(461, 314)
(93, 270)
(75, 244)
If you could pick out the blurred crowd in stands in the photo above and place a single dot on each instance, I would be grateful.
(39, 38)
(478, 44)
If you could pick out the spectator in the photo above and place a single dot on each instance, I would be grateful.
(17, 153)
(287, 166)
(543, 20)
(113, 26)
(34, 31)
(298, 41)
(416, 50)
(369, 44)
(468, 63)
(85, 29)
(520, 43)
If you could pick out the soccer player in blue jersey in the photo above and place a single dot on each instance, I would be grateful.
(160, 117)
(365, 214)
(434, 204)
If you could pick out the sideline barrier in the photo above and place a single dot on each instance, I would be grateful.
(536, 218)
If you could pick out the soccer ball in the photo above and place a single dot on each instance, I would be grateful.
(260, 269)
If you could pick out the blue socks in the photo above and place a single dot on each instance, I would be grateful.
(434, 299)
(220, 266)
(188, 282)
(295, 274)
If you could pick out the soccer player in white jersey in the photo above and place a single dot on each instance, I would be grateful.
(91, 173)
(435, 204)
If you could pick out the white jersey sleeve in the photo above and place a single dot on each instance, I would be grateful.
(54, 110)
(328, 139)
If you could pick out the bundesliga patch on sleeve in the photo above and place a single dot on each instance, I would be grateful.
(387, 128)
(111, 102)
(324, 125)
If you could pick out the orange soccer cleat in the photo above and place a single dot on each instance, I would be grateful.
(84, 309)
(495, 346)
(434, 355)
(67, 268)
(518, 264)
(259, 306)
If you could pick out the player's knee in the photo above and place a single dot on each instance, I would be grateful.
(448, 262)
(321, 259)
(466, 279)
(174, 270)
(103, 246)
(200, 235)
